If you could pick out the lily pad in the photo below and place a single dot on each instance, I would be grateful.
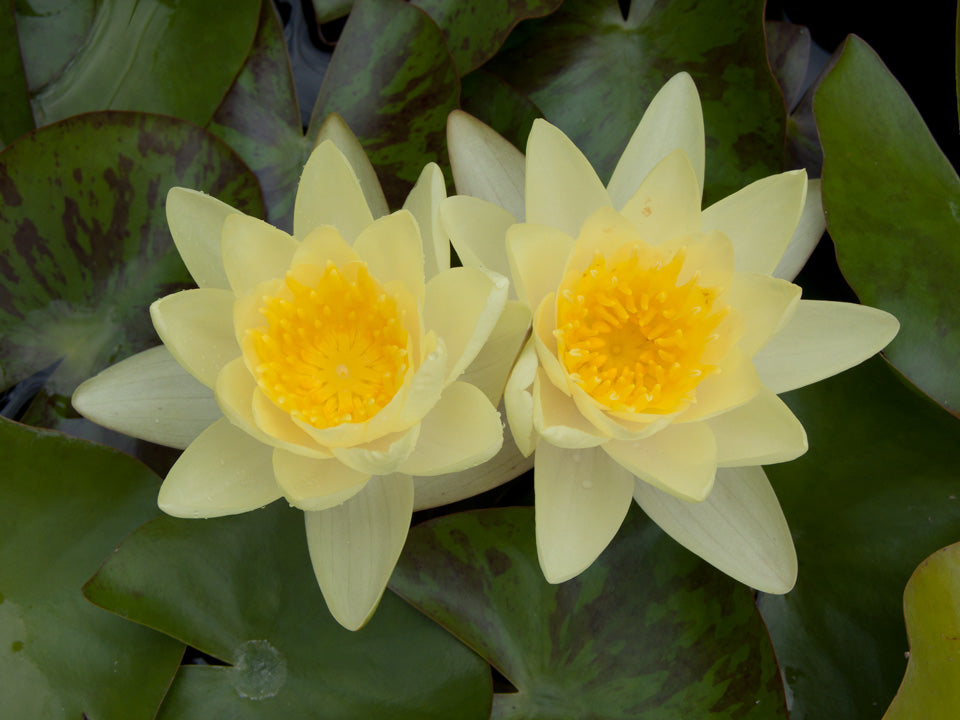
(260, 120)
(892, 201)
(242, 590)
(152, 56)
(649, 631)
(66, 504)
(51, 34)
(876, 494)
(931, 606)
(84, 245)
(16, 118)
(393, 80)
(489, 98)
(788, 47)
(593, 73)
(476, 29)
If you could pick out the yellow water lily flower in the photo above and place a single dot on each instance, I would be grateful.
(661, 334)
(321, 367)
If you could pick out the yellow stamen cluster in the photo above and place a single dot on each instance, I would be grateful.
(331, 354)
(632, 337)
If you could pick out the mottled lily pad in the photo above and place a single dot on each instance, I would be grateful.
(892, 201)
(16, 118)
(931, 606)
(84, 245)
(593, 72)
(153, 56)
(260, 120)
(476, 29)
(876, 494)
(242, 589)
(393, 80)
(66, 504)
(648, 631)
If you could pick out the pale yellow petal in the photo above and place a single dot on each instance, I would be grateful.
(280, 428)
(330, 194)
(619, 425)
(491, 367)
(392, 249)
(424, 203)
(558, 420)
(223, 472)
(739, 528)
(762, 432)
(354, 546)
(667, 203)
(315, 484)
(680, 460)
(234, 392)
(673, 120)
(734, 384)
(537, 255)
(562, 188)
(381, 456)
(322, 245)
(462, 306)
(708, 256)
(477, 231)
(484, 164)
(582, 497)
(196, 327)
(436, 490)
(809, 230)
(544, 323)
(820, 340)
(518, 399)
(334, 128)
(196, 220)
(149, 396)
(760, 219)
(427, 383)
(248, 310)
(254, 252)
(765, 304)
(461, 431)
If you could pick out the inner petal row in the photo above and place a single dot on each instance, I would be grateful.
(331, 354)
(633, 337)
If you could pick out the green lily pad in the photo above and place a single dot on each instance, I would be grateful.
(892, 201)
(393, 80)
(260, 120)
(931, 606)
(84, 245)
(876, 494)
(66, 505)
(593, 73)
(16, 118)
(489, 98)
(327, 10)
(476, 29)
(154, 56)
(242, 589)
(649, 631)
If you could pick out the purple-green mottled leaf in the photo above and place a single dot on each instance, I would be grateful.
(490, 99)
(153, 56)
(593, 73)
(931, 607)
(260, 120)
(876, 494)
(242, 589)
(393, 81)
(66, 505)
(327, 10)
(476, 29)
(788, 48)
(84, 244)
(16, 117)
(648, 631)
(892, 202)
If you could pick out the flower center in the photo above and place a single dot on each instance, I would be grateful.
(633, 338)
(335, 353)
